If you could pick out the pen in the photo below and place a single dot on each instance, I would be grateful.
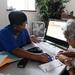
(50, 59)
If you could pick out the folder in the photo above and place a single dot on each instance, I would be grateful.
(10, 58)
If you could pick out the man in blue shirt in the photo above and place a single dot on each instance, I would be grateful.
(14, 36)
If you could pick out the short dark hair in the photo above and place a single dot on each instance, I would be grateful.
(17, 17)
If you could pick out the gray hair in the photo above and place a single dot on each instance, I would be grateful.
(69, 30)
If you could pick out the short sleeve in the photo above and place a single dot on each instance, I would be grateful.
(7, 40)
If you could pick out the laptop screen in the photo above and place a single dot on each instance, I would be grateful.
(54, 32)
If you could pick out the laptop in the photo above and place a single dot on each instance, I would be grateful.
(54, 33)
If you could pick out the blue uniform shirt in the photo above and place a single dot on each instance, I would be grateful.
(9, 40)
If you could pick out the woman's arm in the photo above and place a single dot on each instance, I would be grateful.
(71, 71)
(43, 57)
(67, 53)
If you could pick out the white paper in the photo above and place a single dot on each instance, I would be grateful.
(50, 65)
(49, 49)
(4, 74)
(1, 74)
(2, 57)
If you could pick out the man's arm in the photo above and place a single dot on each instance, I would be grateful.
(23, 54)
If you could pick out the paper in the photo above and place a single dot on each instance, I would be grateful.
(50, 65)
(1, 74)
(2, 58)
(9, 58)
(4, 74)
(49, 49)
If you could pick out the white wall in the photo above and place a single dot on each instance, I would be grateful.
(3, 13)
(70, 6)
(32, 16)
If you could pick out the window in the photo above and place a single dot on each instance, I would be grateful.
(21, 5)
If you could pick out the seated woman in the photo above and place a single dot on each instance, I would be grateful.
(68, 57)
(14, 36)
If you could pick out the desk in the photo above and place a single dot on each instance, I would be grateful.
(32, 68)
(67, 16)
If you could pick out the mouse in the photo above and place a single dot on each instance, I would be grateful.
(35, 50)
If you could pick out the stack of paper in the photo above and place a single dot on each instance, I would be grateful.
(2, 58)
(50, 65)
(6, 57)
(4, 74)
(1, 74)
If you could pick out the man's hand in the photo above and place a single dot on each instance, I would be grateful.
(34, 39)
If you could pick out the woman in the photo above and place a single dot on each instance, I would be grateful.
(14, 36)
(67, 57)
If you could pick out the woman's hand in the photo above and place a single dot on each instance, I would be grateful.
(59, 53)
(66, 53)
(34, 39)
(66, 60)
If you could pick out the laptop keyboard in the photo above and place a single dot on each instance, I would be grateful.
(48, 48)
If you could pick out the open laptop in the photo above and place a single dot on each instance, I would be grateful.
(54, 33)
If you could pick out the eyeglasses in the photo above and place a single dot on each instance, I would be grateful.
(24, 23)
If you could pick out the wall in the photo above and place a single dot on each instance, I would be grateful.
(70, 6)
(32, 16)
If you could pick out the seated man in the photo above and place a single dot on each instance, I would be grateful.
(14, 36)
(67, 57)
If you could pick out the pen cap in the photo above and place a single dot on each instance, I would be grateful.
(50, 58)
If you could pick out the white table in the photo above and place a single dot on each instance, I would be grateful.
(32, 68)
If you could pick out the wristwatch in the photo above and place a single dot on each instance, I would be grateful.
(69, 67)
